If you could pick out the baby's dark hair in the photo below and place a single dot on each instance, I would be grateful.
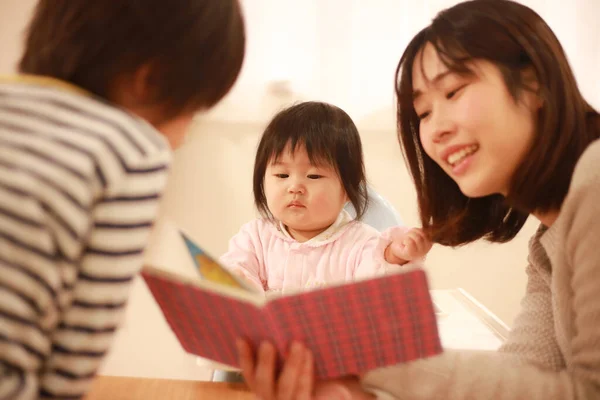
(329, 136)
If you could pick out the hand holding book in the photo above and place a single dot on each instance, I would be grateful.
(296, 380)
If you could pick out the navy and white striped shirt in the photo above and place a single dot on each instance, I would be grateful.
(79, 187)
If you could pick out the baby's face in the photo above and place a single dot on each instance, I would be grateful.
(306, 198)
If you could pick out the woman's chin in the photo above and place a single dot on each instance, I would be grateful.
(475, 190)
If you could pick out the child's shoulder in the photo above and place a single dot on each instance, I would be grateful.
(259, 227)
(357, 230)
(257, 223)
(92, 123)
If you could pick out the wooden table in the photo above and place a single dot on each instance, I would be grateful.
(125, 388)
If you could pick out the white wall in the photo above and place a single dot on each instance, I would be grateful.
(13, 17)
(345, 51)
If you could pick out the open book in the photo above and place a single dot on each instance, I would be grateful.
(351, 328)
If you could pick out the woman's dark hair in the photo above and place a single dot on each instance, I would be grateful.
(195, 48)
(329, 136)
(514, 38)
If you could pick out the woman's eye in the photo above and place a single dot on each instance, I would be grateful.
(453, 93)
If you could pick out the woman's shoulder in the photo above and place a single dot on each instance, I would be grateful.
(587, 170)
(577, 220)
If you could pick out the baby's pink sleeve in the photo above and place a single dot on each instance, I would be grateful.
(372, 260)
(244, 256)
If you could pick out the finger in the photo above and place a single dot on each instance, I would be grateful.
(397, 253)
(265, 372)
(306, 379)
(292, 369)
(415, 235)
(333, 391)
(426, 243)
(397, 247)
(419, 243)
(410, 249)
(423, 243)
(408, 240)
(246, 360)
(418, 235)
(422, 233)
(417, 231)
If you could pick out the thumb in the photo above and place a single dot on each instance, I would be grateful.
(394, 253)
(333, 391)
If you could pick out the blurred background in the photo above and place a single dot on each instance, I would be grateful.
(340, 51)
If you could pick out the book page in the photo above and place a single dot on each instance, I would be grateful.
(210, 269)
(247, 296)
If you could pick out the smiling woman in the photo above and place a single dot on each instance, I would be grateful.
(508, 102)
(494, 128)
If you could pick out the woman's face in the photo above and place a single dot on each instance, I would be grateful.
(471, 126)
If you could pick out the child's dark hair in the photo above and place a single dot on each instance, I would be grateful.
(515, 39)
(329, 136)
(194, 48)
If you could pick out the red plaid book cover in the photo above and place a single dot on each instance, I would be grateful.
(350, 328)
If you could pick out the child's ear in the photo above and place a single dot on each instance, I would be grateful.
(142, 87)
(134, 89)
(136, 92)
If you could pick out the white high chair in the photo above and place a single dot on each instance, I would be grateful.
(380, 214)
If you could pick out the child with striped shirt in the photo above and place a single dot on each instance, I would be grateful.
(104, 90)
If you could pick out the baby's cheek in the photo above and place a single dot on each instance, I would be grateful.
(321, 197)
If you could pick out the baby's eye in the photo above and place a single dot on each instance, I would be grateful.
(282, 176)
(313, 176)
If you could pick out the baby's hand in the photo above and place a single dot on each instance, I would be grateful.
(409, 246)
